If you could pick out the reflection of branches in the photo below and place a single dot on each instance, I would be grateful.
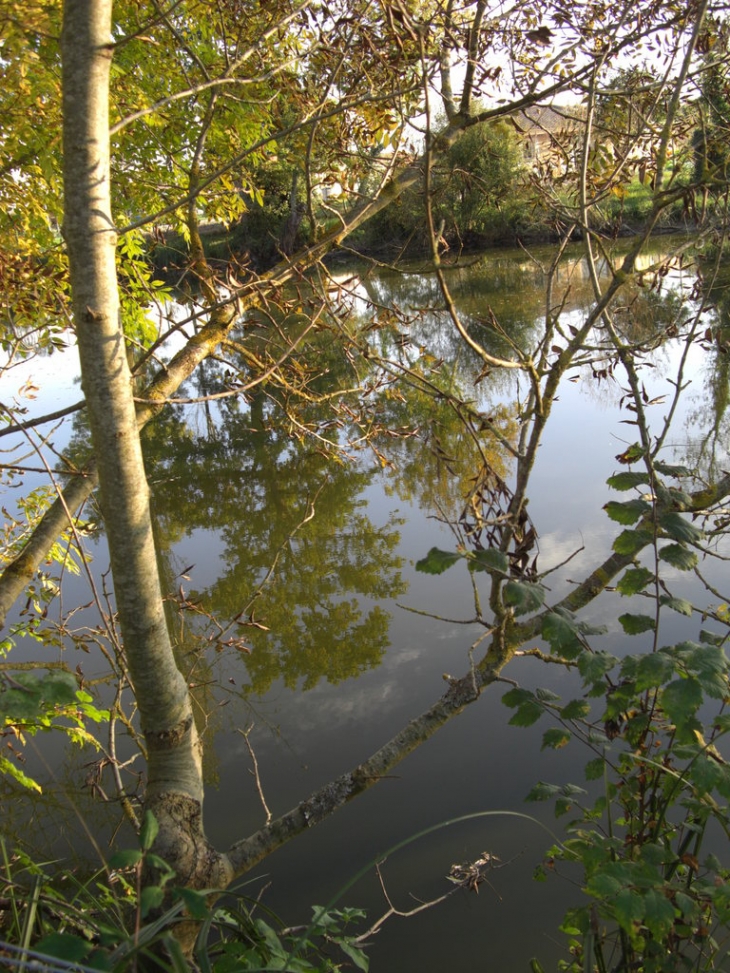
(72, 525)
(266, 371)
(434, 238)
(245, 615)
(22, 468)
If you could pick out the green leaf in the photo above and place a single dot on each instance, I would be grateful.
(17, 705)
(658, 914)
(577, 922)
(555, 738)
(710, 665)
(636, 624)
(517, 696)
(723, 782)
(150, 898)
(678, 556)
(164, 869)
(681, 699)
(604, 886)
(527, 714)
(673, 498)
(711, 638)
(64, 946)
(627, 512)
(543, 792)
(59, 688)
(619, 699)
(196, 903)
(489, 560)
(576, 709)
(667, 469)
(561, 631)
(529, 709)
(95, 714)
(634, 580)
(721, 901)
(273, 943)
(722, 722)
(626, 480)
(436, 561)
(324, 919)
(632, 454)
(594, 768)
(677, 605)
(630, 542)
(148, 831)
(705, 773)
(636, 726)
(125, 859)
(687, 905)
(593, 666)
(358, 956)
(10, 768)
(36, 696)
(628, 908)
(523, 596)
(175, 952)
(563, 805)
(707, 655)
(652, 670)
(655, 855)
(680, 529)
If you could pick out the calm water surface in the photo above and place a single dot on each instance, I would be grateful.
(337, 663)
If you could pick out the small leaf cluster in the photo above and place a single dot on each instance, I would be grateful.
(653, 515)
(298, 951)
(30, 702)
(521, 596)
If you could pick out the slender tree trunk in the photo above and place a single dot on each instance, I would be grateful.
(175, 788)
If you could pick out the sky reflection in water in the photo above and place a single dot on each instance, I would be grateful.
(329, 665)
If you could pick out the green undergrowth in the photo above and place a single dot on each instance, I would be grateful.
(112, 921)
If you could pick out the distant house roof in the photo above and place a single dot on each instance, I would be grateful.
(549, 118)
(547, 128)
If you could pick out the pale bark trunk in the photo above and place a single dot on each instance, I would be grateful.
(175, 788)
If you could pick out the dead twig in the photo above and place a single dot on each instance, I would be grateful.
(245, 734)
